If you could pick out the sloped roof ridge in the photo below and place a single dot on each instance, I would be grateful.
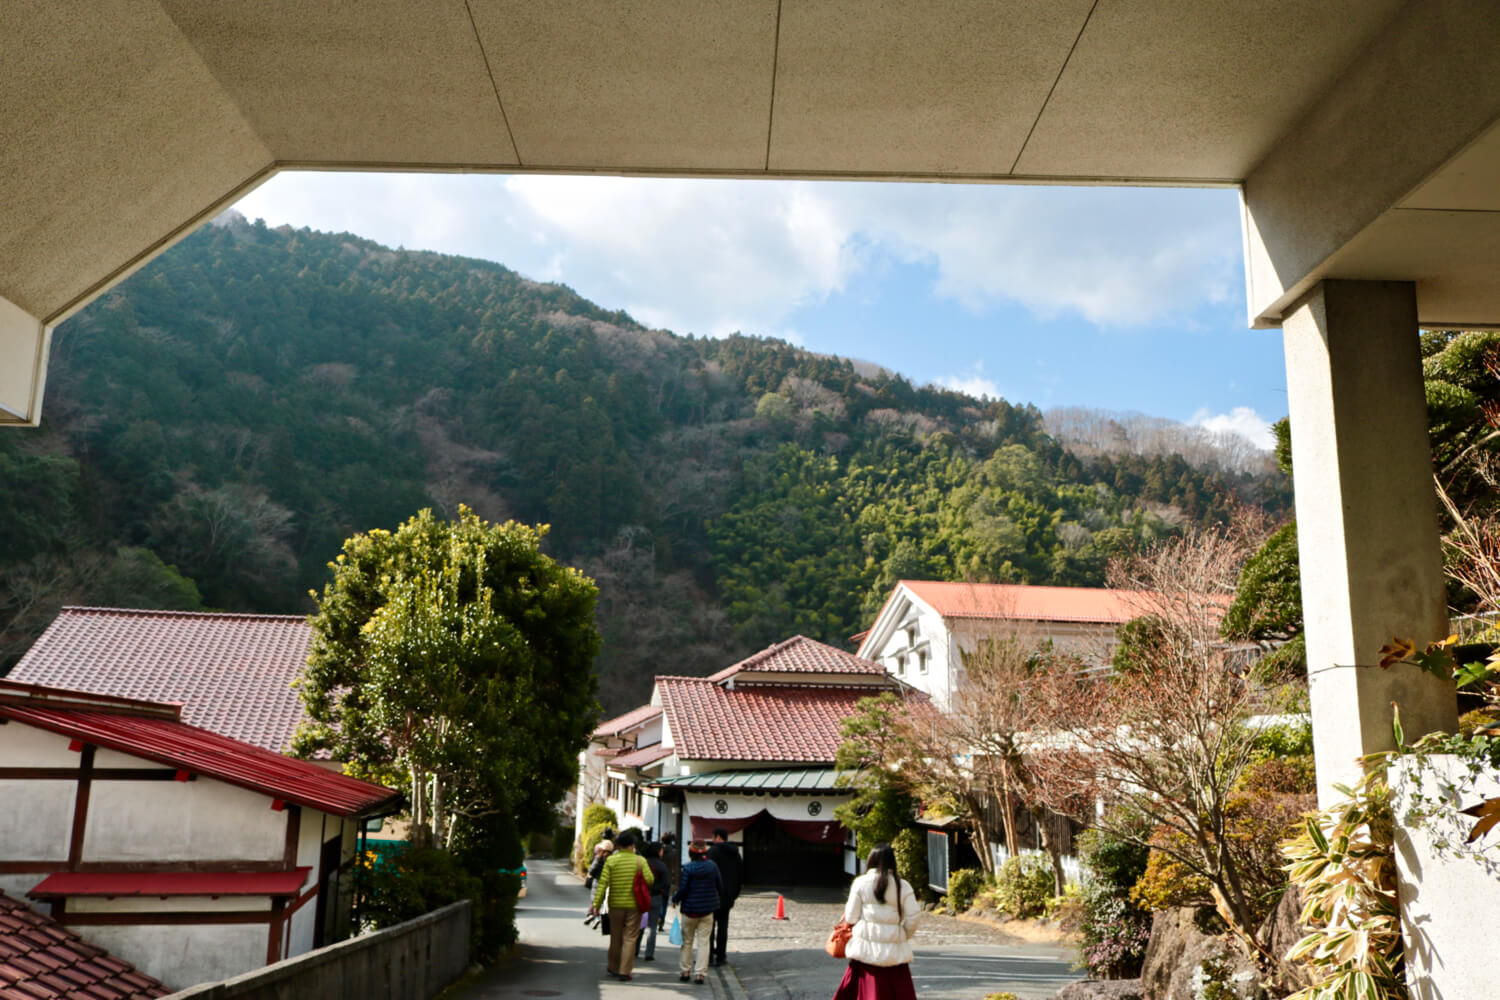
(755, 658)
(165, 613)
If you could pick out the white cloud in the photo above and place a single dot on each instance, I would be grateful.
(714, 256)
(1241, 420)
(972, 382)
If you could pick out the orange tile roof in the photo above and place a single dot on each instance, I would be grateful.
(1019, 602)
(41, 960)
(232, 673)
(801, 655)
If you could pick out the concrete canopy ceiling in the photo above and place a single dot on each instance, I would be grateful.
(126, 123)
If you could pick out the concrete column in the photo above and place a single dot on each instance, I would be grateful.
(24, 343)
(1366, 518)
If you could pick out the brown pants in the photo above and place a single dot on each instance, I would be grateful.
(624, 930)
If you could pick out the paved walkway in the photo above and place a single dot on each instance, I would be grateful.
(560, 957)
(768, 959)
(956, 959)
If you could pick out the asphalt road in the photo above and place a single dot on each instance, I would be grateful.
(955, 960)
(768, 959)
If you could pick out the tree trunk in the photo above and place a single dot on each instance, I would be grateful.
(1008, 820)
(1047, 833)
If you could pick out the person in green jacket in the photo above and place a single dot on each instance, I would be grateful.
(618, 880)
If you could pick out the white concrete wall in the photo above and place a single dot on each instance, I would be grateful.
(185, 956)
(202, 819)
(36, 817)
(1449, 893)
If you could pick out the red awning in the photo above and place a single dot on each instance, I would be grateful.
(813, 831)
(64, 884)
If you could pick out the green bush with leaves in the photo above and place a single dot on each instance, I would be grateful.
(1023, 885)
(583, 850)
(597, 813)
(409, 883)
(1114, 931)
(910, 846)
(963, 885)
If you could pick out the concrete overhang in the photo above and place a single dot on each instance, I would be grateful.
(1358, 127)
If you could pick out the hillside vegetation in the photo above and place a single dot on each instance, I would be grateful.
(217, 425)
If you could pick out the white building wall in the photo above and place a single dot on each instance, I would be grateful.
(203, 820)
(36, 817)
(181, 956)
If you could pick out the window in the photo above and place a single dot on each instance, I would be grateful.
(901, 664)
(921, 661)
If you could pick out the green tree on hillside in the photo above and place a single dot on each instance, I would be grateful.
(453, 657)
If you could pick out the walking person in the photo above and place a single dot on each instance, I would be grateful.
(671, 853)
(700, 886)
(617, 881)
(731, 869)
(883, 910)
(661, 888)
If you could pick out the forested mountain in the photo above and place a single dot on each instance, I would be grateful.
(218, 424)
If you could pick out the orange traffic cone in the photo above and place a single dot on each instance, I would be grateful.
(780, 908)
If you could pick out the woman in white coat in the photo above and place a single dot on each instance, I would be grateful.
(884, 912)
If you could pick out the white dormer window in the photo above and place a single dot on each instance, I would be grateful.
(921, 661)
(901, 664)
(911, 635)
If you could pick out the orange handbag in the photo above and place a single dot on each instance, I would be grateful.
(838, 938)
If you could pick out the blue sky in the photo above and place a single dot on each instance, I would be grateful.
(1113, 298)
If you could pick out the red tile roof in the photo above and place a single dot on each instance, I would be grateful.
(40, 960)
(1019, 602)
(147, 734)
(233, 673)
(631, 719)
(801, 655)
(642, 757)
(759, 722)
(64, 884)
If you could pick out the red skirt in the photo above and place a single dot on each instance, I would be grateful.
(876, 982)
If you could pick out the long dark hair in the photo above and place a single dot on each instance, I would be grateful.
(883, 860)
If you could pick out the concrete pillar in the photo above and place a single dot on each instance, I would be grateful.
(1366, 518)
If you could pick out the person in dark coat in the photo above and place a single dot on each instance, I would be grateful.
(672, 855)
(699, 890)
(731, 869)
(661, 888)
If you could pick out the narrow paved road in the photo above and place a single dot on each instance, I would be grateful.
(956, 959)
(560, 957)
(768, 959)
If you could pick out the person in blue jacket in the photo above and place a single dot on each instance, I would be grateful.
(699, 890)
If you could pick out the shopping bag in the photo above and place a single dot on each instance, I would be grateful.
(641, 890)
(675, 936)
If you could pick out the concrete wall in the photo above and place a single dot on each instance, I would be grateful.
(411, 961)
(1449, 892)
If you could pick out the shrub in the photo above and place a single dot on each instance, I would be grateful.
(412, 882)
(1114, 931)
(583, 851)
(910, 846)
(1067, 909)
(1167, 882)
(562, 841)
(1023, 885)
(599, 814)
(963, 885)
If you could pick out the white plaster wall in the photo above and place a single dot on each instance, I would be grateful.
(16, 887)
(175, 821)
(1446, 896)
(316, 826)
(36, 817)
(171, 904)
(25, 746)
(181, 959)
